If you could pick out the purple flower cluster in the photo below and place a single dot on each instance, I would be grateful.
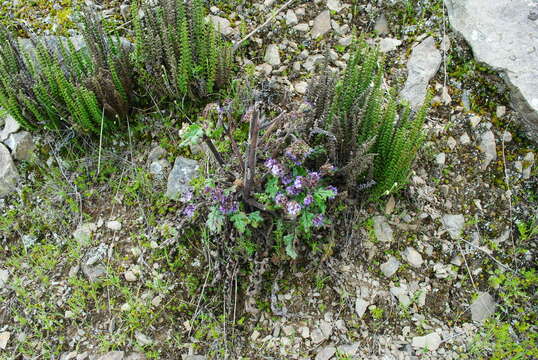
(189, 211)
(227, 205)
(274, 167)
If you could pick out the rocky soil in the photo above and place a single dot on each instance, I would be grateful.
(95, 262)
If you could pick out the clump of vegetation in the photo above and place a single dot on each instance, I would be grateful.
(54, 84)
(177, 52)
(372, 138)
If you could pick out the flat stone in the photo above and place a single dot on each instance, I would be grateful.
(4, 338)
(130, 276)
(136, 356)
(221, 24)
(483, 307)
(383, 231)
(322, 24)
(388, 44)
(502, 35)
(390, 267)
(317, 336)
(113, 225)
(182, 173)
(93, 272)
(143, 339)
(303, 27)
(348, 350)
(421, 68)
(21, 145)
(381, 25)
(11, 126)
(8, 172)
(453, 224)
(326, 353)
(272, 55)
(430, 342)
(413, 257)
(4, 277)
(488, 148)
(334, 5)
(361, 306)
(301, 87)
(112, 355)
(291, 18)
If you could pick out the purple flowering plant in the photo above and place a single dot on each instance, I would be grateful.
(300, 195)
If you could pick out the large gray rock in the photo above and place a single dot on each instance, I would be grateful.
(10, 126)
(20, 144)
(8, 172)
(272, 55)
(503, 34)
(421, 68)
(483, 307)
(322, 24)
(182, 173)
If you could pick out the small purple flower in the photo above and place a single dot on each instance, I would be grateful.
(308, 200)
(299, 182)
(228, 207)
(286, 180)
(274, 167)
(334, 190)
(293, 208)
(189, 211)
(292, 190)
(318, 221)
(281, 199)
(269, 163)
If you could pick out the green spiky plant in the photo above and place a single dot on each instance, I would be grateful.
(372, 138)
(55, 85)
(178, 53)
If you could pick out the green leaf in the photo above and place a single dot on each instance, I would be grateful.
(290, 249)
(215, 220)
(306, 221)
(240, 221)
(272, 186)
(193, 135)
(255, 219)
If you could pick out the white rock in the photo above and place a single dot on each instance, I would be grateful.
(272, 55)
(440, 159)
(361, 306)
(382, 229)
(334, 5)
(322, 24)
(112, 355)
(526, 165)
(182, 173)
(348, 350)
(317, 336)
(142, 339)
(430, 342)
(10, 126)
(4, 277)
(500, 111)
(345, 41)
(483, 307)
(500, 36)
(390, 267)
(421, 68)
(312, 61)
(130, 276)
(221, 24)
(4, 338)
(388, 44)
(301, 87)
(113, 225)
(8, 172)
(326, 353)
(381, 25)
(453, 224)
(20, 144)
(465, 139)
(303, 27)
(488, 147)
(413, 257)
(507, 136)
(291, 18)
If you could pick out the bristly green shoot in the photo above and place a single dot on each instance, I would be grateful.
(371, 137)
